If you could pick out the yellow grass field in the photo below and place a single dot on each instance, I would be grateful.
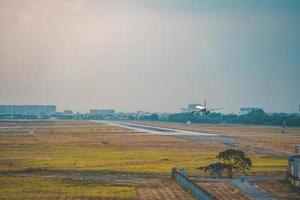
(114, 152)
(12, 187)
(98, 148)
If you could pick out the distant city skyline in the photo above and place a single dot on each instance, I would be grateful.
(21, 109)
(151, 55)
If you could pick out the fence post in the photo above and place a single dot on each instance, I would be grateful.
(174, 170)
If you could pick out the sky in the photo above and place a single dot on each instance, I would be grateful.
(151, 55)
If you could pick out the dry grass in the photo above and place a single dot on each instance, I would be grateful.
(223, 191)
(104, 148)
(274, 143)
(262, 137)
(115, 152)
(107, 148)
(13, 187)
(47, 123)
(280, 190)
(160, 189)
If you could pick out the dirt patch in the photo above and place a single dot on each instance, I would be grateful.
(280, 190)
(223, 190)
(161, 189)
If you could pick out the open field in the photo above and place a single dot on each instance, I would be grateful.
(82, 149)
(46, 123)
(35, 187)
(110, 162)
(264, 138)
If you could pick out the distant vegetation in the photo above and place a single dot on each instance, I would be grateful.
(253, 118)
(258, 117)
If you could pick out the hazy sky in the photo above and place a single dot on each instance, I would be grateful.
(153, 55)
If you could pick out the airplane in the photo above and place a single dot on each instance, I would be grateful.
(202, 109)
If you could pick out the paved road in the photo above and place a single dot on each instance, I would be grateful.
(157, 130)
(250, 190)
(248, 187)
(193, 136)
(189, 135)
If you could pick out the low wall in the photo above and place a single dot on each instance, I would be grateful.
(293, 173)
(181, 178)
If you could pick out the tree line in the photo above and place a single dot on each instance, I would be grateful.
(253, 118)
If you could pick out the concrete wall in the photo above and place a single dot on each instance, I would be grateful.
(180, 176)
(294, 169)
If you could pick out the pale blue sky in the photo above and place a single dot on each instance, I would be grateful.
(153, 55)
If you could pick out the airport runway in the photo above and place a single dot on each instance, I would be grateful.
(157, 130)
(194, 136)
(189, 135)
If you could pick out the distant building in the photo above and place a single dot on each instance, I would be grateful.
(247, 110)
(28, 109)
(102, 112)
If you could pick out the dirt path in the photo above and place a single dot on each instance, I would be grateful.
(223, 191)
(251, 191)
(161, 189)
(245, 186)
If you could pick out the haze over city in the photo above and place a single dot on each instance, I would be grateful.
(150, 55)
(150, 99)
